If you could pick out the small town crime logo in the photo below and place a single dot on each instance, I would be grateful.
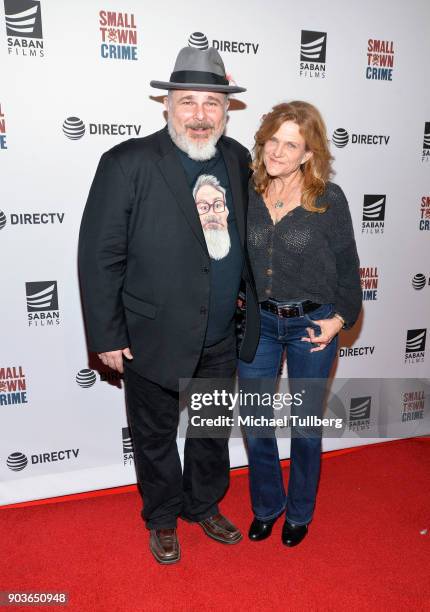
(369, 283)
(13, 386)
(380, 59)
(413, 405)
(118, 35)
(3, 144)
(424, 218)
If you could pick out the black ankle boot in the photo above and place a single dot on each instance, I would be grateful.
(293, 534)
(260, 530)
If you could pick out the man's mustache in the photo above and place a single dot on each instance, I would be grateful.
(195, 125)
(213, 219)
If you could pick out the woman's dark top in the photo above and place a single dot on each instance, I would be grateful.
(306, 255)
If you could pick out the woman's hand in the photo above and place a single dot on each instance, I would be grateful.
(329, 329)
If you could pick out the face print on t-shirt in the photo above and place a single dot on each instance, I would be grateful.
(210, 198)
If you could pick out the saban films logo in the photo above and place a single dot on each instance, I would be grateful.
(127, 446)
(373, 214)
(42, 303)
(119, 35)
(24, 28)
(415, 345)
(359, 414)
(312, 54)
(13, 386)
(426, 142)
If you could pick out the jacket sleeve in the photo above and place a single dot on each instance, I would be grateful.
(102, 256)
(348, 293)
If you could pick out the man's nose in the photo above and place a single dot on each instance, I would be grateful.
(200, 112)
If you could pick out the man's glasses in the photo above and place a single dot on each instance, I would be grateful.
(204, 207)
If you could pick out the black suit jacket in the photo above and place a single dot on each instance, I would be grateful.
(143, 262)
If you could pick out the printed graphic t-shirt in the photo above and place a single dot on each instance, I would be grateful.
(225, 272)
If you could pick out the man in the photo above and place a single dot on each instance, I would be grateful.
(210, 200)
(155, 299)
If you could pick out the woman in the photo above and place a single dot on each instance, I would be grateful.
(303, 254)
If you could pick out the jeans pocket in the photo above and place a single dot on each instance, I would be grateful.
(325, 311)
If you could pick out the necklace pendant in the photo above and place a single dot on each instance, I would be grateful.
(279, 204)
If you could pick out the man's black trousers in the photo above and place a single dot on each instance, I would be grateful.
(153, 414)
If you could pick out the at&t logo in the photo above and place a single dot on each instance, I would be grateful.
(419, 281)
(17, 461)
(86, 378)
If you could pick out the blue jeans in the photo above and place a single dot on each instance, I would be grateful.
(266, 484)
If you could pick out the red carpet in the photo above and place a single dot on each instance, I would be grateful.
(364, 550)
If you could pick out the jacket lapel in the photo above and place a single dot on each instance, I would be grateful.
(233, 170)
(174, 175)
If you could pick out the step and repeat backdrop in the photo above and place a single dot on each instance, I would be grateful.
(75, 81)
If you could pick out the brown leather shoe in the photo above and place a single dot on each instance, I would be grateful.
(164, 545)
(220, 529)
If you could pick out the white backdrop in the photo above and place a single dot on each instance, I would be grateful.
(57, 436)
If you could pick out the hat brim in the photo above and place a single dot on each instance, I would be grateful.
(197, 87)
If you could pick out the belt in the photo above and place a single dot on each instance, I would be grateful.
(285, 311)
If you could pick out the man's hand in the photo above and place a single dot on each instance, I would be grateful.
(329, 329)
(113, 359)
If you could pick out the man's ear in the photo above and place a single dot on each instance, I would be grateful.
(166, 103)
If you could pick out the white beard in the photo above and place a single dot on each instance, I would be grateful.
(195, 150)
(218, 243)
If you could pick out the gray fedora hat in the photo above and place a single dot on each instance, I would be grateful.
(200, 70)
